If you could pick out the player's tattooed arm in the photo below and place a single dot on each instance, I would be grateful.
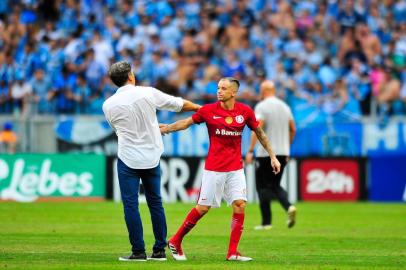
(263, 139)
(178, 125)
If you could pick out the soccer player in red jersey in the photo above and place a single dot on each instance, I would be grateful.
(224, 174)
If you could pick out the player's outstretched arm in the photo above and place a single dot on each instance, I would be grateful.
(263, 139)
(190, 106)
(178, 125)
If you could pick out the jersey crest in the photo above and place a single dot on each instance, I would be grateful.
(229, 120)
(239, 119)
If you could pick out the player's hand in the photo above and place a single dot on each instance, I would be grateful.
(275, 165)
(249, 157)
(163, 128)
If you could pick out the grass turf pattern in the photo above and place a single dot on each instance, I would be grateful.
(92, 235)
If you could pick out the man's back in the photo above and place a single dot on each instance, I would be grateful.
(276, 115)
(131, 112)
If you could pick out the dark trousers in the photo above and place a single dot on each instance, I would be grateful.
(269, 186)
(129, 180)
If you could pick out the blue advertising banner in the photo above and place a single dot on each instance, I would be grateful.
(387, 178)
(364, 138)
(367, 138)
(389, 139)
(328, 139)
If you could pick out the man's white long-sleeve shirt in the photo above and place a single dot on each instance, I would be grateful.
(131, 112)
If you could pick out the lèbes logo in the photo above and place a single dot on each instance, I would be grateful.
(28, 182)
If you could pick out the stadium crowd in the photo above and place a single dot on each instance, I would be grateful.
(332, 58)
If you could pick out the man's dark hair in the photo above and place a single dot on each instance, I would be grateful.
(119, 71)
(232, 80)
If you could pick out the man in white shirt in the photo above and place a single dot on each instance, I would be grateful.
(131, 112)
(275, 117)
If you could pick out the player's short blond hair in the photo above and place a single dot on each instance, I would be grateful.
(233, 81)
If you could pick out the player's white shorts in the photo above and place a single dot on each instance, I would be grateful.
(229, 185)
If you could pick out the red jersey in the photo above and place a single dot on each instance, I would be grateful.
(225, 129)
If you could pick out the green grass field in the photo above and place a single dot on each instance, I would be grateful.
(93, 235)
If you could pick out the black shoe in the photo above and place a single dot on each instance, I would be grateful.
(158, 256)
(135, 257)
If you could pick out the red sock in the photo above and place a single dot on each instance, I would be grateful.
(190, 221)
(237, 226)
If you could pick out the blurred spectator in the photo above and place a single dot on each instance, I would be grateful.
(358, 85)
(110, 29)
(234, 33)
(336, 100)
(304, 22)
(191, 10)
(210, 81)
(5, 104)
(103, 50)
(83, 93)
(389, 91)
(169, 33)
(94, 70)
(62, 93)
(8, 139)
(20, 93)
(146, 29)
(304, 46)
(41, 85)
(49, 10)
(370, 44)
(245, 13)
(108, 89)
(293, 47)
(283, 18)
(128, 40)
(96, 103)
(232, 65)
(348, 17)
(403, 97)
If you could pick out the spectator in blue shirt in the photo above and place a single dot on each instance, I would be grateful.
(232, 65)
(41, 86)
(5, 104)
(347, 17)
(94, 70)
(83, 93)
(62, 94)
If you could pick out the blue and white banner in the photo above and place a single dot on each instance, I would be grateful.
(85, 135)
(328, 140)
(356, 139)
(389, 139)
(352, 139)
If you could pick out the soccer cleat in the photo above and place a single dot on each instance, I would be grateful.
(291, 216)
(176, 250)
(263, 227)
(158, 256)
(237, 257)
(135, 257)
